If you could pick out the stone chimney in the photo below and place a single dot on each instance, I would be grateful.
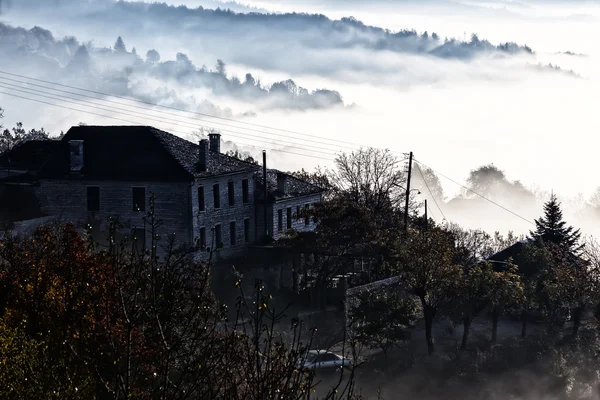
(203, 155)
(76, 155)
(281, 182)
(215, 142)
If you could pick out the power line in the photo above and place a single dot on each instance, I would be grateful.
(429, 189)
(480, 195)
(172, 121)
(179, 109)
(163, 112)
(136, 123)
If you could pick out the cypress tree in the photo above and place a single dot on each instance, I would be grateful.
(551, 228)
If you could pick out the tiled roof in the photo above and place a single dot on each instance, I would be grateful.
(137, 153)
(294, 187)
(29, 155)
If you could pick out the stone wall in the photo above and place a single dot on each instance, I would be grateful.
(225, 214)
(67, 200)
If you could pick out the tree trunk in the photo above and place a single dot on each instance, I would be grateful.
(429, 315)
(466, 327)
(524, 324)
(495, 317)
(577, 313)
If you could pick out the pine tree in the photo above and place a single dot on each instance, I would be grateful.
(120, 45)
(551, 228)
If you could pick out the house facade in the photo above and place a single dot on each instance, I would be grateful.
(202, 196)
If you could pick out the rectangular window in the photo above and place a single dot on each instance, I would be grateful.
(216, 196)
(280, 220)
(231, 193)
(138, 239)
(139, 199)
(93, 198)
(298, 212)
(218, 241)
(306, 217)
(202, 237)
(201, 198)
(245, 193)
(232, 233)
(247, 229)
(289, 218)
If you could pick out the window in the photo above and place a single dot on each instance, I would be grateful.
(202, 237)
(306, 217)
(216, 196)
(280, 220)
(232, 233)
(231, 193)
(247, 229)
(289, 218)
(201, 198)
(139, 199)
(245, 194)
(93, 198)
(138, 239)
(297, 212)
(218, 242)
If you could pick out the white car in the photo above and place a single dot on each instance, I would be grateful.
(323, 359)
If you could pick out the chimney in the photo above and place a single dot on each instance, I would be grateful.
(215, 142)
(281, 180)
(76, 155)
(202, 156)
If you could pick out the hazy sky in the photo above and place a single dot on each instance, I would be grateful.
(538, 126)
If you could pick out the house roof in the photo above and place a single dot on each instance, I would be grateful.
(29, 155)
(294, 187)
(136, 153)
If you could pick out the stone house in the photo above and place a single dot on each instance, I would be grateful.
(202, 196)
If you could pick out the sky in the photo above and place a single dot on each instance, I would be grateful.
(537, 125)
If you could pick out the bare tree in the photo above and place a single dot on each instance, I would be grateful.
(370, 177)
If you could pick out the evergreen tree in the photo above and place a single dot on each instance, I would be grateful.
(120, 45)
(551, 228)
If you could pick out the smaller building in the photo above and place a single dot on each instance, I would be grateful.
(287, 197)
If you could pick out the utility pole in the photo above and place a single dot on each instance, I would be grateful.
(426, 220)
(266, 194)
(410, 158)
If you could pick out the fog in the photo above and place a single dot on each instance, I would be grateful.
(457, 104)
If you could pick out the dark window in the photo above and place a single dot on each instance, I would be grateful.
(217, 196)
(218, 242)
(139, 199)
(203, 237)
(201, 198)
(74, 148)
(138, 239)
(232, 233)
(280, 220)
(297, 212)
(231, 193)
(289, 218)
(306, 217)
(245, 194)
(93, 198)
(247, 229)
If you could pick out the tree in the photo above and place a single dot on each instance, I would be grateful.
(506, 293)
(485, 179)
(427, 182)
(120, 45)
(221, 70)
(152, 56)
(552, 229)
(426, 262)
(243, 157)
(382, 316)
(319, 178)
(370, 177)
